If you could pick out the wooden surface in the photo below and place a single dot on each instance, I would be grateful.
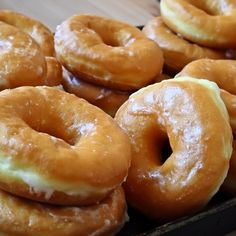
(53, 12)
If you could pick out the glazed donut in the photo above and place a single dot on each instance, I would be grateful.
(21, 60)
(208, 23)
(109, 100)
(221, 72)
(177, 51)
(21, 217)
(59, 149)
(107, 52)
(190, 113)
(54, 75)
(38, 31)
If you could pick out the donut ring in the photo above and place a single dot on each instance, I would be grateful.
(21, 60)
(177, 51)
(208, 23)
(38, 31)
(105, 218)
(221, 72)
(176, 109)
(44, 129)
(94, 49)
(109, 100)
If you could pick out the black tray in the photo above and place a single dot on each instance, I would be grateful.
(217, 218)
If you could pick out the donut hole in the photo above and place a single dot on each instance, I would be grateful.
(107, 34)
(58, 134)
(51, 125)
(166, 150)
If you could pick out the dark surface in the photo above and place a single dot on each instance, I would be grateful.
(217, 218)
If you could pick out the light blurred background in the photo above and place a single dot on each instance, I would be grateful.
(53, 12)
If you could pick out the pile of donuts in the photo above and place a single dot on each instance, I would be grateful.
(90, 123)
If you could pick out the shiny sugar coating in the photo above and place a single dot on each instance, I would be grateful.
(107, 52)
(191, 115)
(206, 22)
(58, 148)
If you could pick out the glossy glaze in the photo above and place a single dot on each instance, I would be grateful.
(189, 113)
(206, 22)
(21, 60)
(107, 52)
(22, 217)
(57, 148)
(223, 73)
(38, 31)
(177, 51)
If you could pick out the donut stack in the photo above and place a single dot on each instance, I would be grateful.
(61, 167)
(191, 30)
(106, 59)
(27, 55)
(64, 162)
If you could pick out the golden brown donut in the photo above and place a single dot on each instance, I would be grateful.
(38, 31)
(107, 52)
(59, 149)
(190, 113)
(21, 60)
(206, 22)
(22, 217)
(109, 100)
(54, 75)
(177, 51)
(221, 72)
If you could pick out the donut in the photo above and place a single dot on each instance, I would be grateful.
(221, 72)
(24, 217)
(38, 31)
(54, 75)
(189, 113)
(109, 100)
(107, 52)
(59, 149)
(177, 51)
(208, 23)
(21, 60)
